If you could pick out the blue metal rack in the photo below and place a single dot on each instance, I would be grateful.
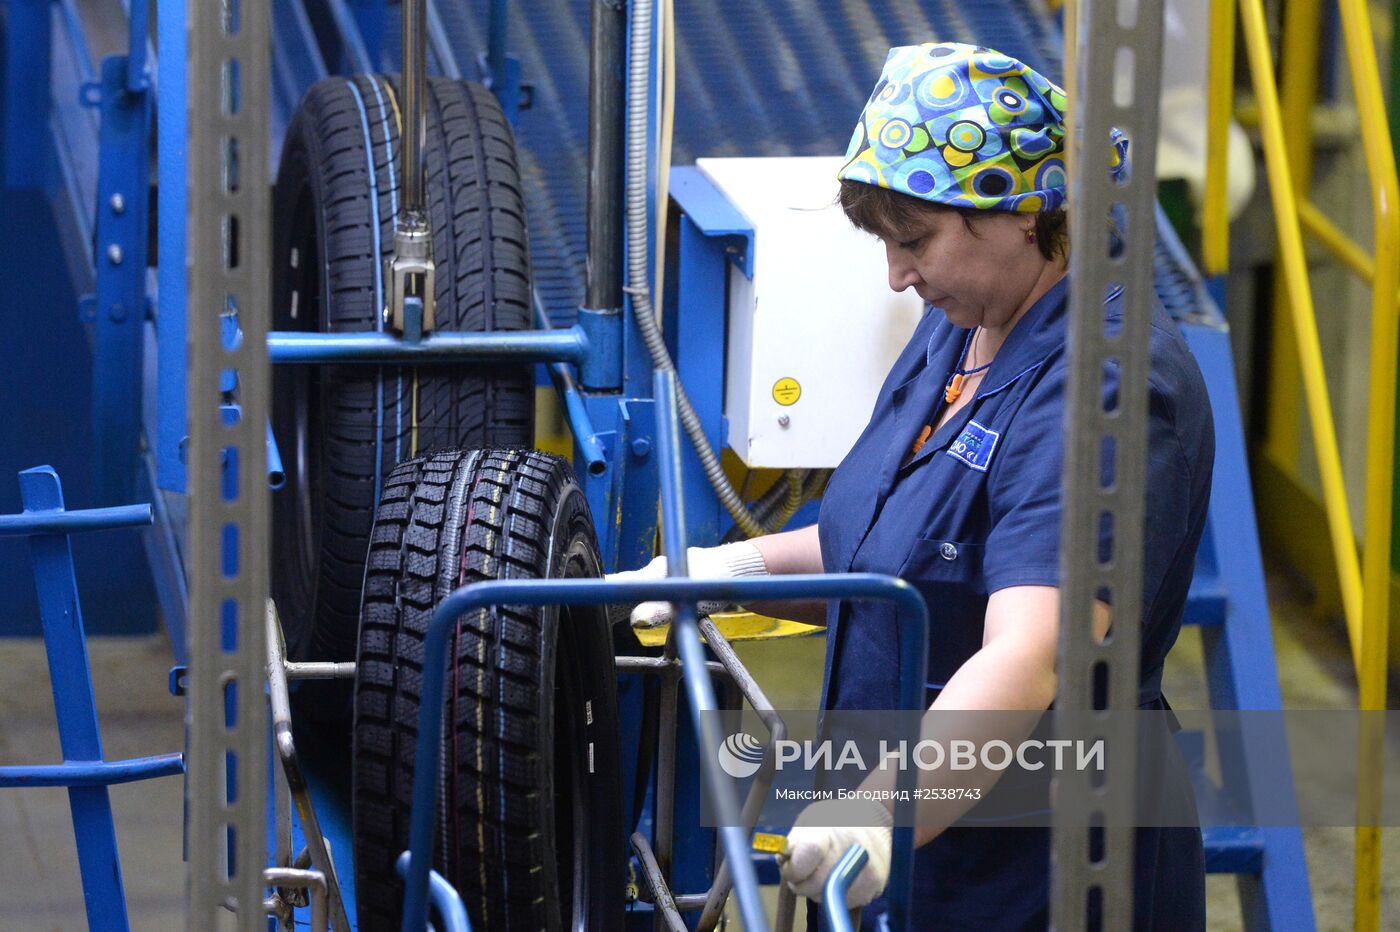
(83, 771)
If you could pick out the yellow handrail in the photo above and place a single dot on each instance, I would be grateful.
(1380, 451)
(1303, 318)
(1365, 589)
(1337, 242)
(1215, 220)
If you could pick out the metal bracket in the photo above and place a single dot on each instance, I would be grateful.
(412, 276)
(316, 846)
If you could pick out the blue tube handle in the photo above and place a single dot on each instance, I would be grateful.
(838, 884)
(444, 897)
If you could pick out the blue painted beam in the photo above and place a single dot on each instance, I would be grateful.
(93, 773)
(1232, 850)
(1207, 600)
(58, 521)
(288, 347)
(172, 131)
(122, 207)
(1240, 665)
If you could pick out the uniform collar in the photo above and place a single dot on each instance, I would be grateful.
(1039, 332)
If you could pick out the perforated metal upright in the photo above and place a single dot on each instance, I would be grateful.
(1115, 72)
(229, 243)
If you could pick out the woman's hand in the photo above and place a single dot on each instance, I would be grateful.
(728, 561)
(814, 848)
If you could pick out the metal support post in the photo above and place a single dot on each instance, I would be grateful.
(685, 633)
(601, 315)
(123, 204)
(230, 238)
(172, 136)
(411, 272)
(1107, 96)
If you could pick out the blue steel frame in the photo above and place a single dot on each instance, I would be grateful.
(83, 771)
(685, 592)
(120, 319)
(1269, 861)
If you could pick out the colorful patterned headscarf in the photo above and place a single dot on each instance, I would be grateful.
(965, 126)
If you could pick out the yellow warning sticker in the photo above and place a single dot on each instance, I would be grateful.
(769, 844)
(786, 391)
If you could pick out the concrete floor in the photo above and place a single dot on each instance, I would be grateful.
(39, 888)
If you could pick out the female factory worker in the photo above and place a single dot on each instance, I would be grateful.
(957, 166)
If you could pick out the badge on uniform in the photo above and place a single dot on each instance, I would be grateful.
(975, 446)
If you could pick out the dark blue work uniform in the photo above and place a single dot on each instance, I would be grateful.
(977, 510)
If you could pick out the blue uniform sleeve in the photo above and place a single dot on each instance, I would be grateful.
(1024, 492)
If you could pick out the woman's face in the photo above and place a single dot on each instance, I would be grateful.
(979, 276)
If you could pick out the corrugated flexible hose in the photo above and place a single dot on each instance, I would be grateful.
(639, 287)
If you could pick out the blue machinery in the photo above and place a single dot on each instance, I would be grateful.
(94, 171)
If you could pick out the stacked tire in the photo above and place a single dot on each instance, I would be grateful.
(342, 429)
(531, 830)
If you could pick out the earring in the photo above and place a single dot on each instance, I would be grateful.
(1030, 236)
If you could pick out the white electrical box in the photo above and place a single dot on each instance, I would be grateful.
(815, 331)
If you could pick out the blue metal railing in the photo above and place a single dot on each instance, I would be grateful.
(287, 347)
(838, 884)
(913, 652)
(448, 904)
(83, 772)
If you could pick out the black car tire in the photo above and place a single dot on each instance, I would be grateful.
(531, 830)
(340, 429)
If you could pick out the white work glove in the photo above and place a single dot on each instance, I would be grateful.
(724, 562)
(813, 849)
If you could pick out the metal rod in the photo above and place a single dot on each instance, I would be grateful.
(668, 917)
(763, 780)
(663, 667)
(839, 918)
(497, 21)
(303, 880)
(606, 93)
(280, 702)
(138, 36)
(72, 522)
(444, 898)
(413, 90)
(1380, 456)
(787, 908)
(276, 476)
(664, 821)
(93, 773)
(1220, 100)
(291, 347)
(1279, 159)
(685, 632)
(320, 670)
